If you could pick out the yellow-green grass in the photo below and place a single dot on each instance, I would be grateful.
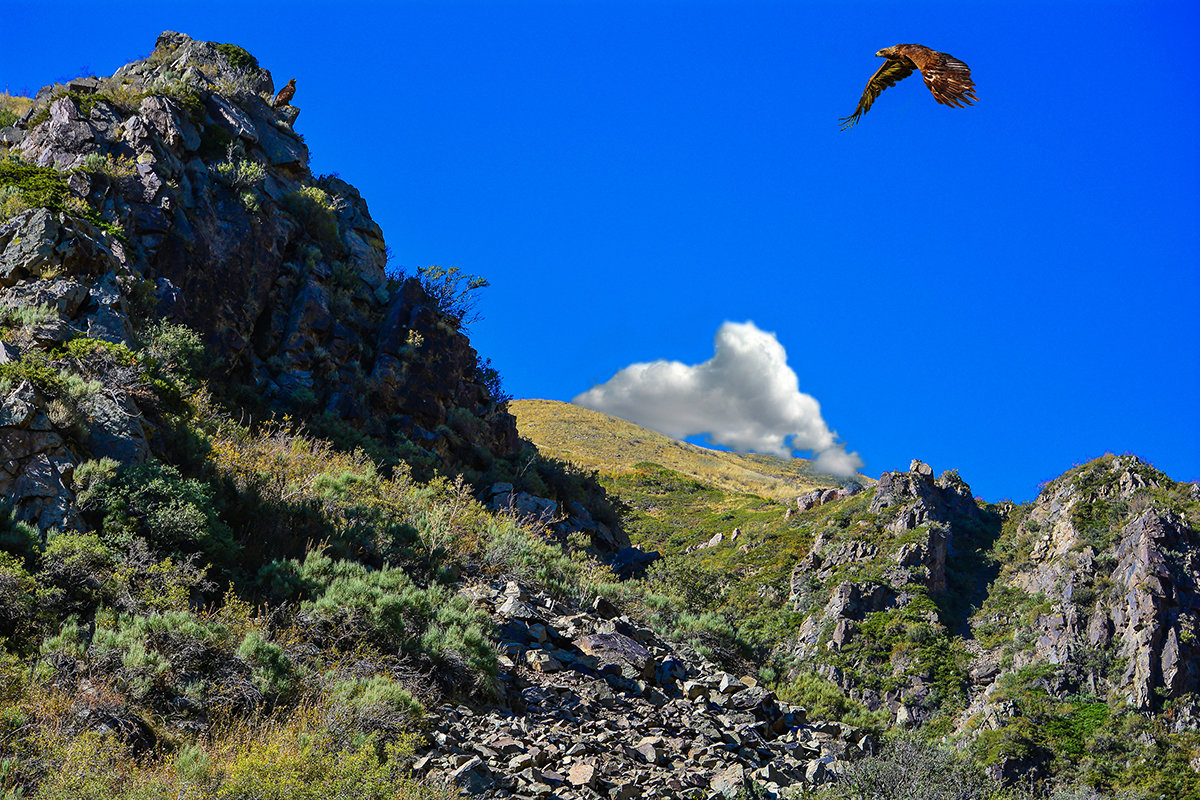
(13, 106)
(601, 442)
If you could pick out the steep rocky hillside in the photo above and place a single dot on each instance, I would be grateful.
(269, 530)
(189, 199)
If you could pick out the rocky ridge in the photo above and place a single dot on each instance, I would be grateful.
(1092, 587)
(892, 555)
(1109, 551)
(201, 210)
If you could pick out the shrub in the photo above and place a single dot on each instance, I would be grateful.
(293, 758)
(696, 585)
(80, 569)
(237, 57)
(351, 603)
(908, 769)
(489, 376)
(97, 767)
(65, 649)
(18, 602)
(18, 538)
(316, 211)
(40, 187)
(376, 704)
(157, 655)
(274, 672)
(239, 173)
(83, 347)
(174, 352)
(109, 165)
(824, 700)
(153, 501)
(293, 489)
(303, 760)
(453, 292)
(12, 202)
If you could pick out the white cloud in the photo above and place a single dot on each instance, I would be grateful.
(745, 397)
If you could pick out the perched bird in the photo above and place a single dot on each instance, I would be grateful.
(285, 94)
(948, 78)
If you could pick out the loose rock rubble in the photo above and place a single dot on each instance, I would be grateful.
(595, 706)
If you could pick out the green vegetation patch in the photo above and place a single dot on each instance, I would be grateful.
(237, 57)
(40, 187)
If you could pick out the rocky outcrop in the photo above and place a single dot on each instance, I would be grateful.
(819, 497)
(916, 499)
(886, 559)
(902, 503)
(215, 221)
(35, 463)
(1115, 562)
(596, 706)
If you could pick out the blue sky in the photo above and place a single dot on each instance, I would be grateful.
(1007, 289)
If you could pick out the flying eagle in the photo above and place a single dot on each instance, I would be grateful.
(285, 94)
(948, 78)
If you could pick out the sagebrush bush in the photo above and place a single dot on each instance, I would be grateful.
(156, 657)
(349, 603)
(153, 502)
(19, 601)
(25, 316)
(274, 672)
(239, 174)
(375, 704)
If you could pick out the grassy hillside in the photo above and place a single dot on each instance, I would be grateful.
(598, 441)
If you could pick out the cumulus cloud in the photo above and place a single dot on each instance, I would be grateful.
(745, 397)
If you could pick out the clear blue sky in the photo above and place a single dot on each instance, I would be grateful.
(1008, 289)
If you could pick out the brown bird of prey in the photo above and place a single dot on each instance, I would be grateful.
(285, 94)
(948, 78)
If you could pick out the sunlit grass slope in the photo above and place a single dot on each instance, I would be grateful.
(601, 442)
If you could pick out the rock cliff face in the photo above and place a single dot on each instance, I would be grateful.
(184, 196)
(1090, 590)
(885, 559)
(1107, 554)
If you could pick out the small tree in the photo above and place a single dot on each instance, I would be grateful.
(453, 292)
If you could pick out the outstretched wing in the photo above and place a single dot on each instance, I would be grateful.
(949, 79)
(892, 71)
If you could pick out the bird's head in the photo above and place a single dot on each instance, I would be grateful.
(887, 52)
